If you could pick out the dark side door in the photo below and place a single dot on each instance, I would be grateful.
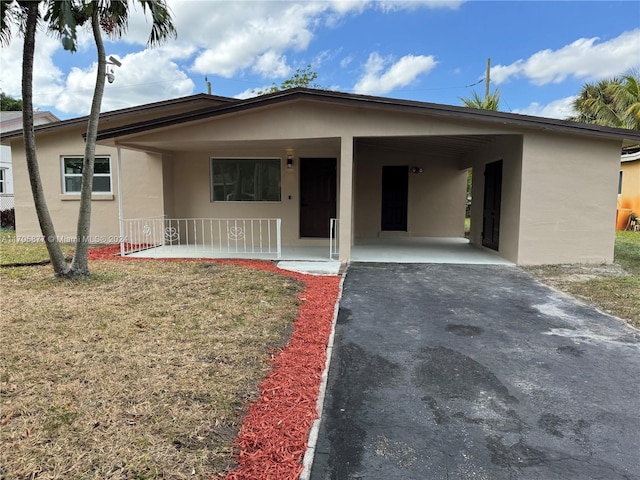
(395, 195)
(492, 199)
(318, 180)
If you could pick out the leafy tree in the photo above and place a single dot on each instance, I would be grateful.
(64, 17)
(9, 104)
(304, 77)
(490, 102)
(613, 103)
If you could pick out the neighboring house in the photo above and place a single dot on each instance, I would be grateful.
(12, 122)
(381, 167)
(628, 187)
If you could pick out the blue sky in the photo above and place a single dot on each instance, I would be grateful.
(541, 52)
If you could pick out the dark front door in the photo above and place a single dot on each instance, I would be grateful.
(395, 188)
(492, 198)
(317, 196)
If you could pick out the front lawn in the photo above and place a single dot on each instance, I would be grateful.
(144, 371)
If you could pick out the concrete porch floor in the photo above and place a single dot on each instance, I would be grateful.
(316, 260)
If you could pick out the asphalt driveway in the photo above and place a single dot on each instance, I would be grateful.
(476, 372)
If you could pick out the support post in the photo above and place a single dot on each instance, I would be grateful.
(120, 204)
(346, 199)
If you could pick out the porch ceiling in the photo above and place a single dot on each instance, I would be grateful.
(445, 147)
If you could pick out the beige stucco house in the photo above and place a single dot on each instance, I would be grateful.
(207, 170)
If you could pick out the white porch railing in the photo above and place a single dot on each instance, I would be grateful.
(334, 251)
(204, 236)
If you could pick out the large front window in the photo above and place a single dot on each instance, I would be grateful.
(72, 174)
(245, 179)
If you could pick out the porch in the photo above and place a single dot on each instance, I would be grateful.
(315, 259)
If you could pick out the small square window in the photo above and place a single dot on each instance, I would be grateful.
(72, 174)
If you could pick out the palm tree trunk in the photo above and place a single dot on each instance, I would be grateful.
(60, 267)
(80, 263)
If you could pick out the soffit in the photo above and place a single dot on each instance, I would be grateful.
(445, 147)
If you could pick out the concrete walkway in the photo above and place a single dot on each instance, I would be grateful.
(476, 372)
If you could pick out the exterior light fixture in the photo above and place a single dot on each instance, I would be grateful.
(417, 170)
(289, 159)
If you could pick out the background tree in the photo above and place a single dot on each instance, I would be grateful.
(612, 103)
(490, 102)
(9, 104)
(304, 77)
(64, 17)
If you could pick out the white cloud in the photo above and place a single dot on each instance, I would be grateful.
(561, 109)
(248, 31)
(344, 63)
(381, 75)
(144, 77)
(584, 59)
(393, 5)
(272, 64)
(251, 92)
(48, 79)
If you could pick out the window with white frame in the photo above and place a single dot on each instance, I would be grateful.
(72, 174)
(3, 181)
(245, 179)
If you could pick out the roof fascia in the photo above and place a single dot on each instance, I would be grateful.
(327, 96)
(121, 112)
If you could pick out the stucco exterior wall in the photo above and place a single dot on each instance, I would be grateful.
(190, 186)
(507, 148)
(436, 200)
(568, 200)
(309, 120)
(142, 185)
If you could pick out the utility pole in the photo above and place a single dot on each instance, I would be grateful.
(208, 85)
(487, 81)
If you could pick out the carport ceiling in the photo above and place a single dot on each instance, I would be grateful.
(445, 147)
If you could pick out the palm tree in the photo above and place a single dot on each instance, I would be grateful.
(26, 14)
(490, 102)
(64, 17)
(613, 103)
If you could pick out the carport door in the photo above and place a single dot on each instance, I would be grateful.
(395, 188)
(492, 198)
(317, 196)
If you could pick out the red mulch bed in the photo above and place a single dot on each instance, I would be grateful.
(273, 438)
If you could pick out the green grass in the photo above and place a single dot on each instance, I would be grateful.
(12, 251)
(627, 251)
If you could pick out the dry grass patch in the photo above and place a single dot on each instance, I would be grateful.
(614, 288)
(142, 372)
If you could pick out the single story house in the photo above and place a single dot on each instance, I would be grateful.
(629, 187)
(308, 168)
